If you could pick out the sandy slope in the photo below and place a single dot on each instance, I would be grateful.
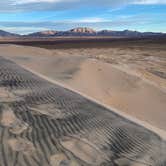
(122, 91)
(50, 125)
(97, 79)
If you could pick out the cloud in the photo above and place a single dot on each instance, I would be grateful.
(146, 23)
(96, 23)
(18, 2)
(148, 2)
(36, 5)
(45, 5)
(91, 20)
(7, 6)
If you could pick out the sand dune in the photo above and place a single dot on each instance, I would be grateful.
(106, 78)
(121, 90)
(82, 132)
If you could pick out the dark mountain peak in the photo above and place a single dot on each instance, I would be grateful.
(126, 30)
(7, 34)
(105, 30)
(83, 30)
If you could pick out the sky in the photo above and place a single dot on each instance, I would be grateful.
(28, 16)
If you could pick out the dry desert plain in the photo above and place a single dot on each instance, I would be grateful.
(128, 76)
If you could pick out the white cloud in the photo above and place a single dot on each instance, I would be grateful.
(38, 5)
(17, 2)
(91, 20)
(148, 2)
(103, 2)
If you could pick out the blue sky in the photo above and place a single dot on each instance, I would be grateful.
(26, 16)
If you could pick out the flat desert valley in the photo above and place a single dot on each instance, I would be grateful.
(75, 86)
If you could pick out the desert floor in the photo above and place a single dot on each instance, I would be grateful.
(130, 79)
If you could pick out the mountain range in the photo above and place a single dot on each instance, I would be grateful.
(7, 34)
(84, 31)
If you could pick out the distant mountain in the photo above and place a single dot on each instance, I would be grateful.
(118, 33)
(80, 31)
(48, 33)
(52, 33)
(127, 33)
(84, 31)
(7, 34)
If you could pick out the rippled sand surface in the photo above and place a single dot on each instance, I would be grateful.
(45, 124)
(118, 76)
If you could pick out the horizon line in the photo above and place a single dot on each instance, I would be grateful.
(82, 32)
